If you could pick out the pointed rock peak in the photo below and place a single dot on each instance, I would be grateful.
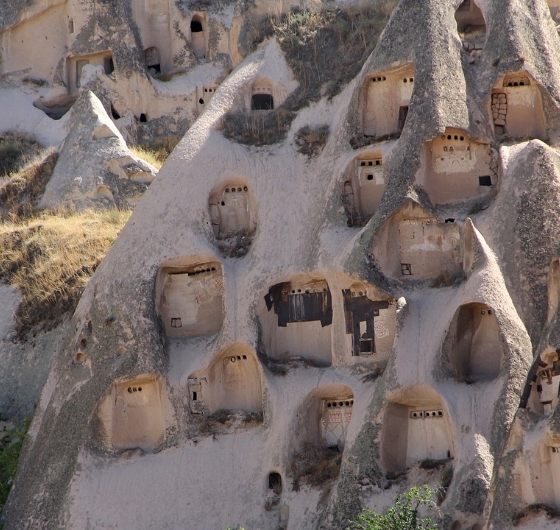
(95, 157)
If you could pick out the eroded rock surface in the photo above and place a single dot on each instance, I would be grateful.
(382, 317)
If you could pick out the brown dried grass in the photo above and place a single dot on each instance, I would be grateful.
(19, 195)
(51, 258)
(310, 38)
(16, 150)
(314, 465)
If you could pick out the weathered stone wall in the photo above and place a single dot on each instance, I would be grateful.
(500, 257)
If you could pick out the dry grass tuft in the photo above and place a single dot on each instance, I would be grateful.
(226, 421)
(310, 38)
(51, 258)
(257, 129)
(155, 157)
(16, 150)
(445, 482)
(19, 196)
(164, 78)
(315, 465)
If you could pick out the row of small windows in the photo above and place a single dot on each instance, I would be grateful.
(334, 404)
(132, 421)
(418, 414)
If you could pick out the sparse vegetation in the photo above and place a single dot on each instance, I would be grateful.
(310, 141)
(154, 158)
(445, 482)
(447, 279)
(403, 515)
(19, 196)
(310, 39)
(224, 421)
(16, 150)
(156, 152)
(48, 256)
(36, 81)
(51, 258)
(472, 33)
(164, 78)
(549, 511)
(315, 465)
(264, 128)
(11, 442)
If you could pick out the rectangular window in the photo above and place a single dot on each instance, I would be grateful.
(403, 113)
(366, 346)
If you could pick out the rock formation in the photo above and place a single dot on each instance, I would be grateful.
(386, 306)
(95, 165)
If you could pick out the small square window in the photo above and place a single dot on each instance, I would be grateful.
(485, 181)
(366, 346)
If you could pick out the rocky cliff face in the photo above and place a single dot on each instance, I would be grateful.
(287, 332)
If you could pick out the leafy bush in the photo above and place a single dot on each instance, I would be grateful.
(403, 515)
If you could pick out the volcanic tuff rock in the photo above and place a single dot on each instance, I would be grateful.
(365, 316)
(95, 166)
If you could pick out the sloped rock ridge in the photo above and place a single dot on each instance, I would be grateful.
(277, 340)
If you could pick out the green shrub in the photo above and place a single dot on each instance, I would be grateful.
(403, 515)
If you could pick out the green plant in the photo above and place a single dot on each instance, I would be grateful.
(403, 515)
(11, 443)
